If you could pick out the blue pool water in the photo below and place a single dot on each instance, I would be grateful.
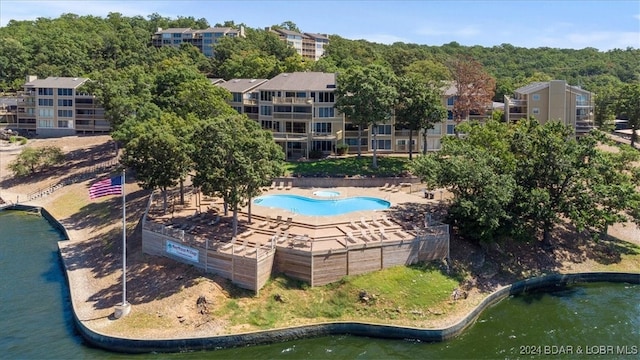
(317, 207)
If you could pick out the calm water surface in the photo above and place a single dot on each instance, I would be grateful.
(603, 320)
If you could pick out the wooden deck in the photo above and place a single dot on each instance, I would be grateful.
(316, 249)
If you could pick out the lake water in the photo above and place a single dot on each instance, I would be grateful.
(599, 320)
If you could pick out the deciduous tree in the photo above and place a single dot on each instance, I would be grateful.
(366, 95)
(235, 157)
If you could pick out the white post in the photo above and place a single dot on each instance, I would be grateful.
(124, 308)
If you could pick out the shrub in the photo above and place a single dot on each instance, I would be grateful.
(31, 160)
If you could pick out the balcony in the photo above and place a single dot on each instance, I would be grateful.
(289, 100)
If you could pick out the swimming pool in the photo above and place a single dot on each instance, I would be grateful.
(317, 207)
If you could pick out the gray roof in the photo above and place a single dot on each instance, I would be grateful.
(534, 86)
(57, 82)
(301, 81)
(287, 32)
(241, 85)
(174, 30)
(317, 36)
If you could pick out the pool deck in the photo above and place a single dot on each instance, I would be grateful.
(270, 226)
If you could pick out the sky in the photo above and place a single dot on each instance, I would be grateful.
(567, 24)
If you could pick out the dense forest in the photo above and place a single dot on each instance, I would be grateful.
(73, 45)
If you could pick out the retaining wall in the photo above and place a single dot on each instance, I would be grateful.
(351, 328)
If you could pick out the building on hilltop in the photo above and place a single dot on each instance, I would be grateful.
(308, 45)
(205, 39)
(552, 100)
(56, 107)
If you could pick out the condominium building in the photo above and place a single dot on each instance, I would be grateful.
(552, 100)
(244, 97)
(307, 45)
(56, 107)
(299, 109)
(204, 39)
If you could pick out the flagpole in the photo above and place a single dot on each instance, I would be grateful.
(124, 308)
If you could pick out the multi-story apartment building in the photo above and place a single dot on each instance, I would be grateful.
(204, 39)
(299, 109)
(244, 97)
(308, 45)
(56, 107)
(552, 100)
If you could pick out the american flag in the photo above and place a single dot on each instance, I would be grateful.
(106, 187)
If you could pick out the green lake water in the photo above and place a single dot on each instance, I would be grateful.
(594, 321)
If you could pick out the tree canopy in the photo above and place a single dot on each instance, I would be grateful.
(366, 95)
(523, 179)
(235, 158)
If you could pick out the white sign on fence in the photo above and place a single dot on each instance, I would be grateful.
(182, 251)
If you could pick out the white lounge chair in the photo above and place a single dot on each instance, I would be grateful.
(281, 186)
(384, 187)
(353, 225)
(287, 224)
(265, 222)
(375, 222)
(350, 237)
(363, 222)
(276, 222)
(386, 220)
(365, 235)
(383, 234)
(289, 185)
(273, 185)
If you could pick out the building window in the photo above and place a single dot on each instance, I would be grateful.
(383, 144)
(324, 96)
(354, 141)
(65, 113)
(45, 102)
(266, 95)
(266, 110)
(45, 113)
(451, 129)
(282, 109)
(326, 112)
(384, 129)
(535, 111)
(402, 144)
(64, 124)
(238, 109)
(237, 97)
(45, 123)
(322, 127)
(449, 115)
(437, 129)
(65, 102)
(535, 97)
(45, 91)
(322, 145)
(295, 127)
(451, 100)
(65, 92)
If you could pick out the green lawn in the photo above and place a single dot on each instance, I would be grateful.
(400, 294)
(349, 166)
